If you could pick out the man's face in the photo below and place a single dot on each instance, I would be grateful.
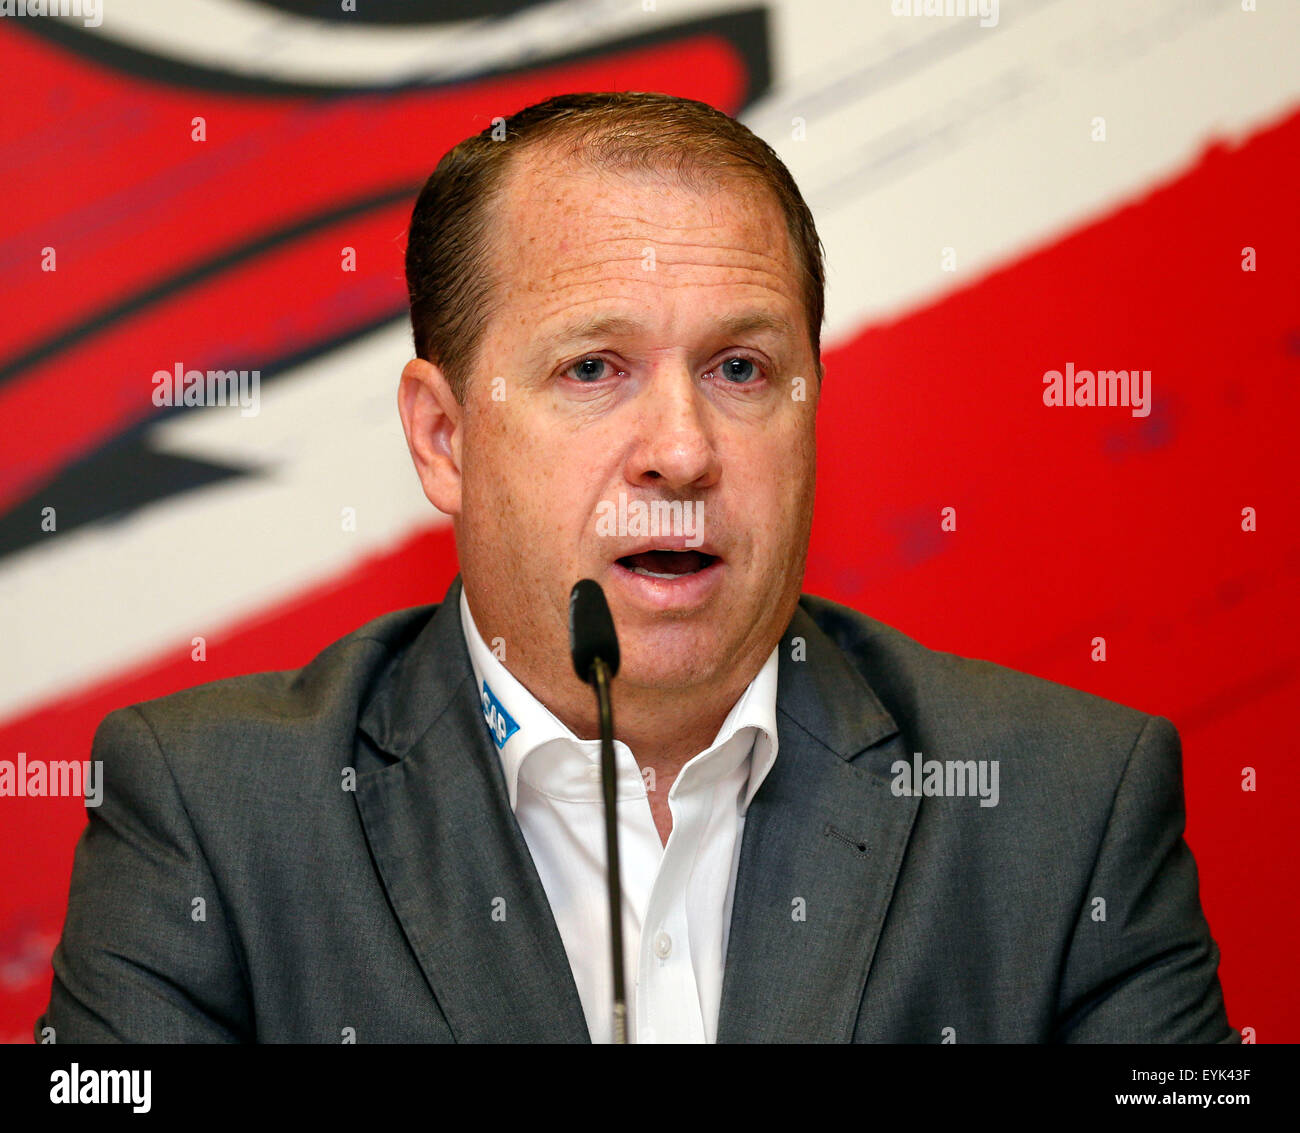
(650, 343)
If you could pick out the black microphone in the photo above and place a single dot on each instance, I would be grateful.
(594, 646)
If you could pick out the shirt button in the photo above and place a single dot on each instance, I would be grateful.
(593, 773)
(663, 945)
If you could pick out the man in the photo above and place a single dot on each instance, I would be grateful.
(829, 832)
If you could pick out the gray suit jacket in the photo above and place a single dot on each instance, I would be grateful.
(232, 886)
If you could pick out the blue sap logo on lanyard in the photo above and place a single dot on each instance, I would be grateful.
(498, 719)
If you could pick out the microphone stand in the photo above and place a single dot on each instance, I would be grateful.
(608, 782)
(593, 643)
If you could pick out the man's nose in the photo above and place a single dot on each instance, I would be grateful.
(675, 448)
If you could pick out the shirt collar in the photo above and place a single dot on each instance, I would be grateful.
(519, 724)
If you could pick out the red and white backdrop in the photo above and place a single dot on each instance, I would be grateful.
(1106, 184)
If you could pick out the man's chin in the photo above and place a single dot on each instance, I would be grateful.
(672, 658)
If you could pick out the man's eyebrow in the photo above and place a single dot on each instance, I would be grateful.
(599, 326)
(603, 326)
(755, 321)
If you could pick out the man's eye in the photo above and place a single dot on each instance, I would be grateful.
(738, 369)
(588, 369)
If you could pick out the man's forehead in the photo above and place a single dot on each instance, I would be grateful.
(549, 201)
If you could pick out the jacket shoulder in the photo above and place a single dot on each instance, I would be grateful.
(940, 695)
(282, 713)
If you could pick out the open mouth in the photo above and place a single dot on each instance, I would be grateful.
(667, 564)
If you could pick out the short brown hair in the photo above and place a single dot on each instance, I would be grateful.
(449, 247)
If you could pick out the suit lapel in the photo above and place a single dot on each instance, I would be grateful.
(823, 841)
(452, 857)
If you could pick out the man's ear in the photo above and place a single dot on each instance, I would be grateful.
(431, 419)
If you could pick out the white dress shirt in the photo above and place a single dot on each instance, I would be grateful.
(676, 898)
